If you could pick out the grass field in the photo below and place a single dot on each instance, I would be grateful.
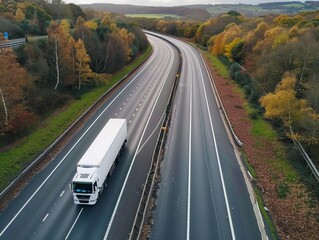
(154, 16)
(12, 162)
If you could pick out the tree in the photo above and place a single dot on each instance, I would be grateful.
(60, 52)
(82, 62)
(234, 50)
(283, 104)
(11, 87)
(218, 48)
(20, 15)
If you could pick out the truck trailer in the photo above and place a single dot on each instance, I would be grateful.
(98, 162)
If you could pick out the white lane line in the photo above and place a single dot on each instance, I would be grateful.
(146, 141)
(217, 155)
(136, 152)
(74, 224)
(62, 160)
(62, 193)
(189, 161)
(45, 217)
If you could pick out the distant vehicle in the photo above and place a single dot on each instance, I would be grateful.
(98, 162)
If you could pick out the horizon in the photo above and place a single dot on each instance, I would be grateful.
(173, 3)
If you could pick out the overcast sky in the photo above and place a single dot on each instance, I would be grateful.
(170, 2)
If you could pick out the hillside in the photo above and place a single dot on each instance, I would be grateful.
(204, 11)
(184, 12)
(260, 9)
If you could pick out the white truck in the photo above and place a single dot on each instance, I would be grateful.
(98, 162)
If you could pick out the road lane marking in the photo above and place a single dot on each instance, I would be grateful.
(62, 160)
(146, 141)
(189, 162)
(74, 224)
(62, 193)
(136, 152)
(45, 217)
(217, 155)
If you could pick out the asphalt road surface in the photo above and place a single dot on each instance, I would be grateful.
(45, 208)
(202, 193)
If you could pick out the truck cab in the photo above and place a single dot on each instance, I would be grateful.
(85, 189)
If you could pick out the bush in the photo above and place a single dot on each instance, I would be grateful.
(282, 190)
(45, 101)
(253, 115)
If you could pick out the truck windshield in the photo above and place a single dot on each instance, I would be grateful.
(82, 187)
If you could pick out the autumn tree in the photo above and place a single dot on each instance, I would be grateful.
(60, 52)
(283, 104)
(13, 81)
(234, 50)
(82, 62)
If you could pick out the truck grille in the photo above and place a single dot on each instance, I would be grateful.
(83, 197)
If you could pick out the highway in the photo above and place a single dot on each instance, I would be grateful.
(45, 208)
(202, 192)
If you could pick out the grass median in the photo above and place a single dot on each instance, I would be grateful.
(13, 161)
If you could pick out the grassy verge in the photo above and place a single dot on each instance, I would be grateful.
(13, 161)
(218, 66)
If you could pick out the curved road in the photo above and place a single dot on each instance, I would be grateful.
(202, 193)
(45, 208)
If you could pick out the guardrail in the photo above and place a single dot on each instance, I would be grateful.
(308, 160)
(12, 43)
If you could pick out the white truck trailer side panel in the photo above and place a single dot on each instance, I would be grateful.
(103, 151)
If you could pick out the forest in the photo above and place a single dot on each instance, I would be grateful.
(274, 58)
(67, 52)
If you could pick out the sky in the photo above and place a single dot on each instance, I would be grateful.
(171, 2)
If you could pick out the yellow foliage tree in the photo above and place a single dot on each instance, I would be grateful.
(218, 48)
(82, 62)
(283, 104)
(65, 27)
(91, 25)
(231, 50)
(20, 15)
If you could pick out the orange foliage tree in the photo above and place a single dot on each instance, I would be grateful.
(11, 89)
